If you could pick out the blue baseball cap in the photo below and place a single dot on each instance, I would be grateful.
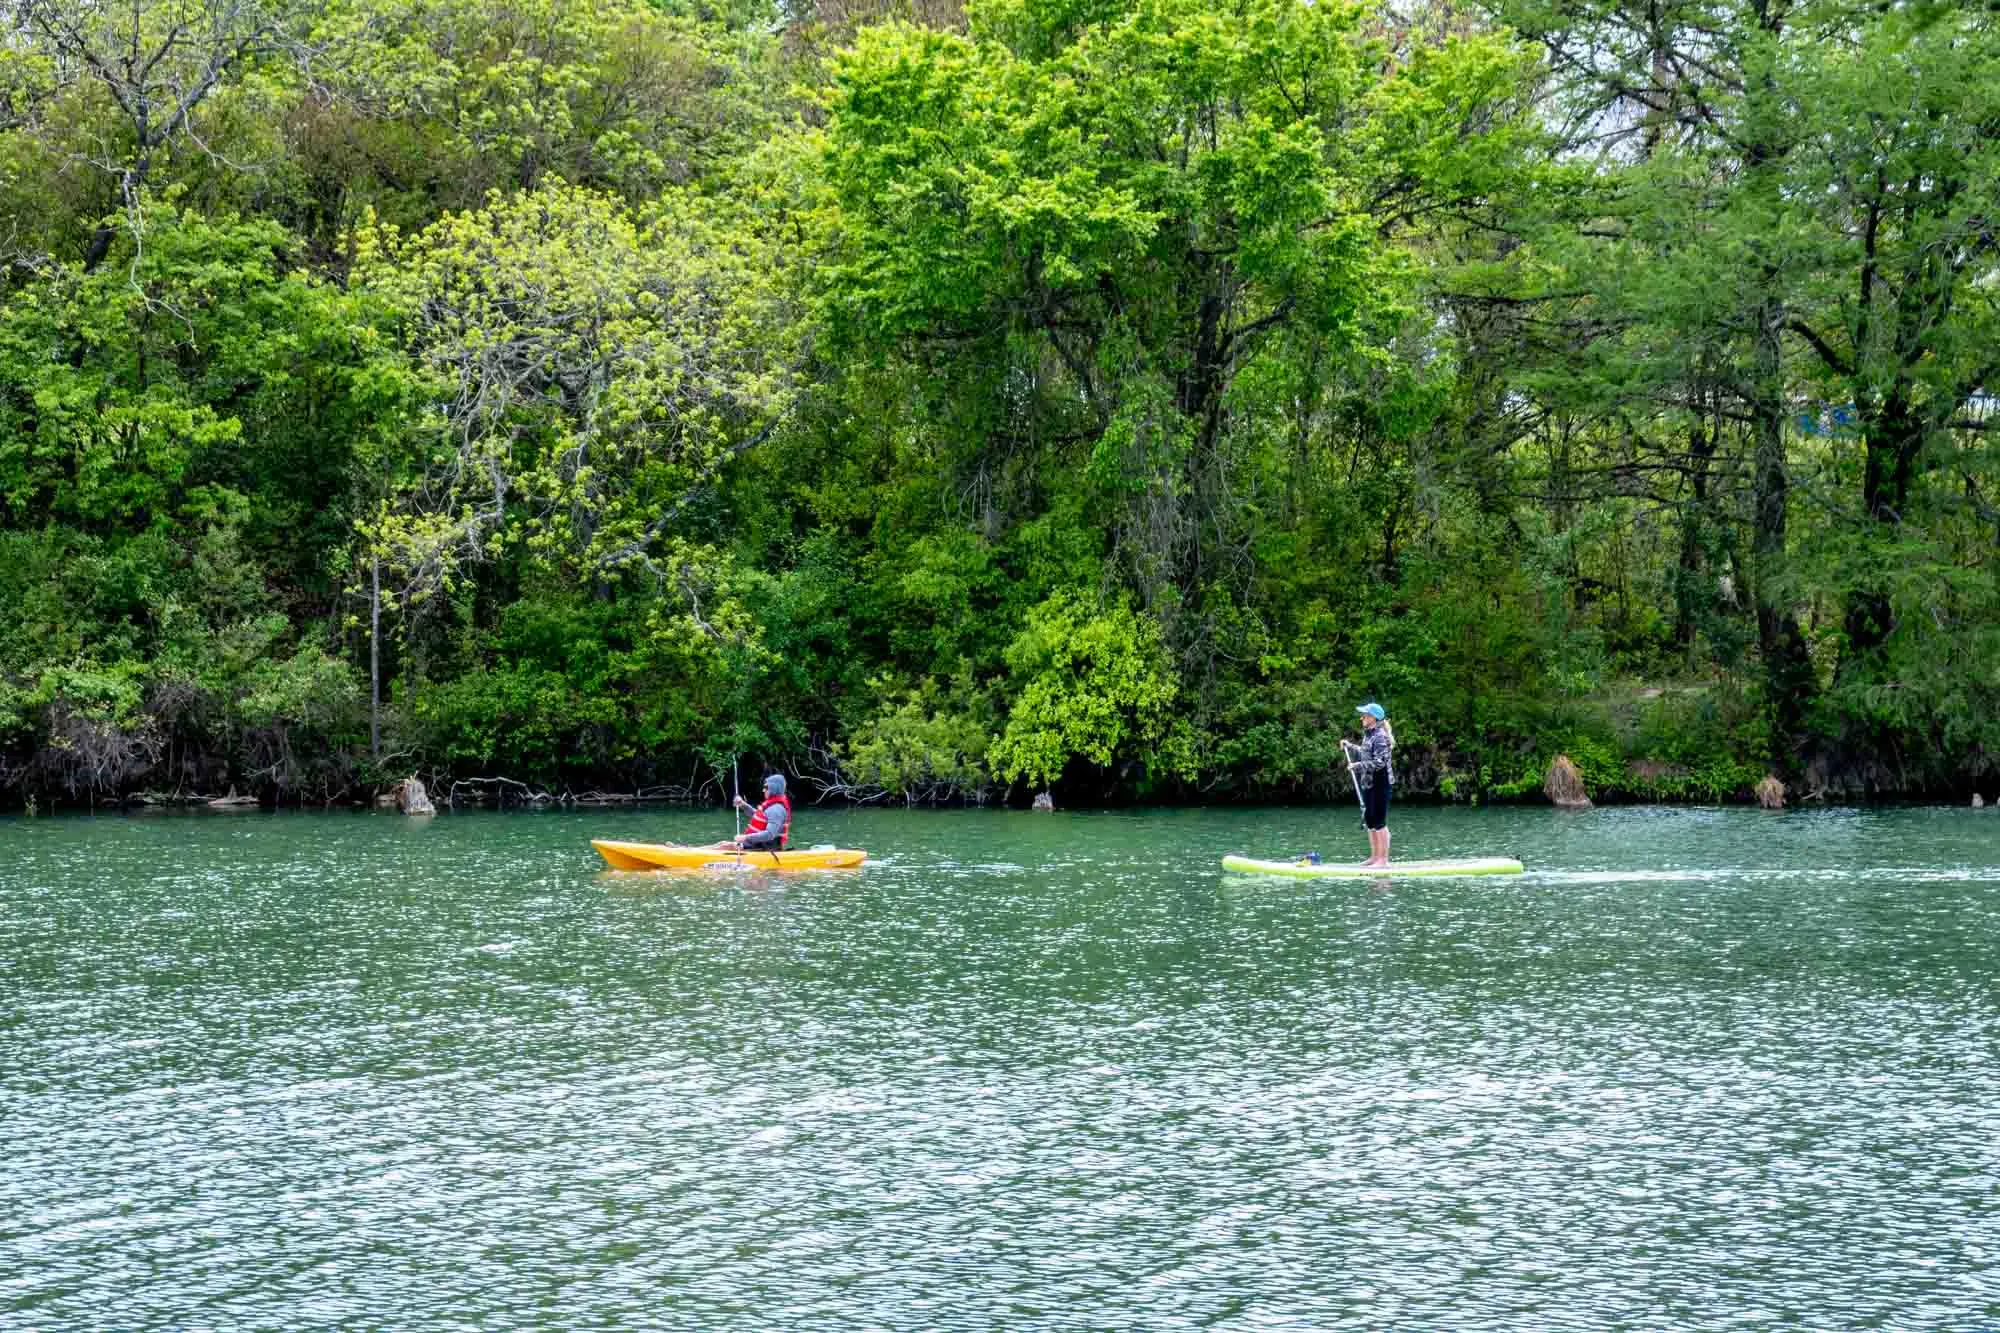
(1373, 710)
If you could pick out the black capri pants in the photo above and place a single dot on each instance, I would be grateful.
(1375, 802)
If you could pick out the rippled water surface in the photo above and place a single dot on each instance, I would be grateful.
(1697, 1069)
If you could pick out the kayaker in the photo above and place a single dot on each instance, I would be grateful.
(770, 827)
(1374, 771)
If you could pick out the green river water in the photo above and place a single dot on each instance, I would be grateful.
(1698, 1068)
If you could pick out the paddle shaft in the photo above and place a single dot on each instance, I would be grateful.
(736, 794)
(1348, 747)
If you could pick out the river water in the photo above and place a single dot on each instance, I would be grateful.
(1699, 1068)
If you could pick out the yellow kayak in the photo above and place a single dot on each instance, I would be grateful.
(669, 856)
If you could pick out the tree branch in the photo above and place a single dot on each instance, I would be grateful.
(1820, 345)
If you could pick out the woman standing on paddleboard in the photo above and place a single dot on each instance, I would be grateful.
(1373, 770)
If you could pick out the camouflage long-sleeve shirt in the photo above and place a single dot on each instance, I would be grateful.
(1376, 748)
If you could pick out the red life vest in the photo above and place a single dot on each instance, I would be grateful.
(758, 823)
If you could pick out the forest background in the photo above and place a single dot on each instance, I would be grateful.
(943, 403)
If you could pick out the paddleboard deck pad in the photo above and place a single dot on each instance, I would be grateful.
(1478, 865)
(668, 856)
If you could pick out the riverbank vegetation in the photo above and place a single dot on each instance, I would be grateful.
(947, 403)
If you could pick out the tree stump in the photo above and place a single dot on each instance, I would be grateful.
(1771, 793)
(412, 799)
(1977, 800)
(1564, 784)
(1045, 802)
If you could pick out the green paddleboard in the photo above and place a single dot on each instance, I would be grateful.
(1477, 865)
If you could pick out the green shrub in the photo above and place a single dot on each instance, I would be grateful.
(924, 744)
(1092, 686)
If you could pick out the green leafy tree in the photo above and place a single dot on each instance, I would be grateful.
(178, 433)
(1120, 210)
(1093, 686)
(473, 96)
(1899, 187)
(161, 64)
(591, 367)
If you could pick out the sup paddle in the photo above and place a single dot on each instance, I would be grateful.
(1353, 753)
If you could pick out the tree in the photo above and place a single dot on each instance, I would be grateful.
(1685, 101)
(1095, 223)
(1793, 225)
(158, 61)
(592, 364)
(1898, 182)
(448, 100)
(178, 434)
(590, 368)
(1095, 686)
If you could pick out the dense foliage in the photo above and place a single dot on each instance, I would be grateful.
(1097, 394)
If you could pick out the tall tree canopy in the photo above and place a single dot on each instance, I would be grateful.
(1101, 394)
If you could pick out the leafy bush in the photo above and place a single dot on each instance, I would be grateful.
(1091, 686)
(923, 744)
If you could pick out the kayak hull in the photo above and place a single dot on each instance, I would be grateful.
(1481, 865)
(669, 856)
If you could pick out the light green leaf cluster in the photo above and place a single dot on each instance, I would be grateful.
(1095, 686)
(590, 367)
(985, 178)
(622, 94)
(926, 743)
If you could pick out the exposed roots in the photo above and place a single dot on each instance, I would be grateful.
(91, 757)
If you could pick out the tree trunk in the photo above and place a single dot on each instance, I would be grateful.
(375, 660)
(1788, 676)
(1701, 448)
(1891, 444)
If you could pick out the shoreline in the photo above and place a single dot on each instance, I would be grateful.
(1426, 801)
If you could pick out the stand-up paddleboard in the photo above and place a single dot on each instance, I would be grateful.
(668, 856)
(1478, 865)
